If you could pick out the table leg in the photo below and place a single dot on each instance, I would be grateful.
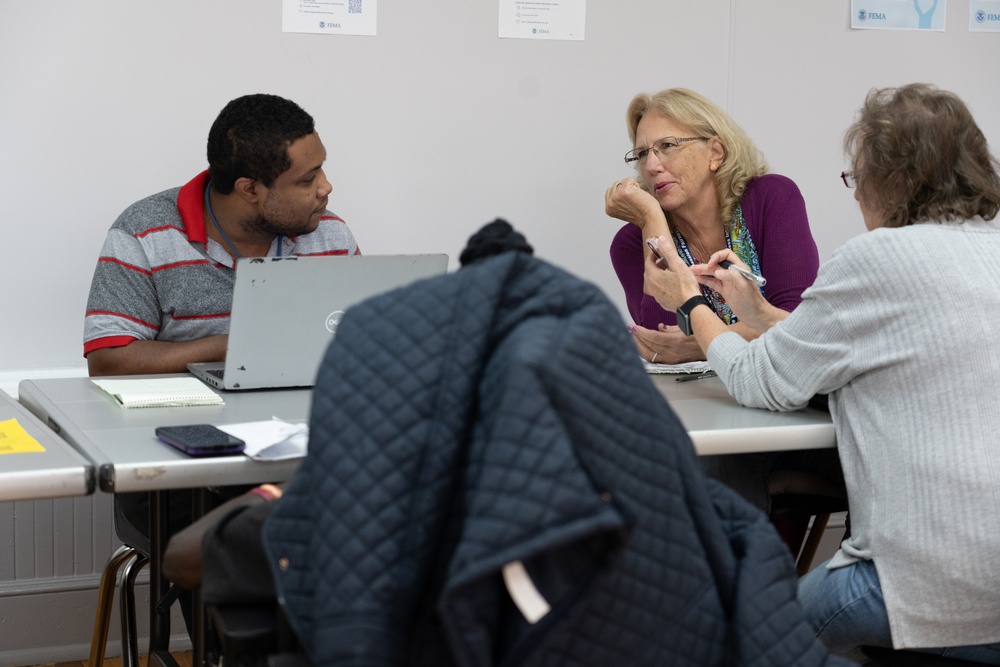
(199, 504)
(159, 624)
(159, 629)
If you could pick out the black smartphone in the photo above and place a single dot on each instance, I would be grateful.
(200, 440)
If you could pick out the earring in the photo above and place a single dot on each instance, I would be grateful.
(713, 166)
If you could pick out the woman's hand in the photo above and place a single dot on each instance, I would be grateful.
(667, 278)
(627, 201)
(742, 295)
(665, 345)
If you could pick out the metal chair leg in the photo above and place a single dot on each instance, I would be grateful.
(105, 598)
(811, 545)
(130, 639)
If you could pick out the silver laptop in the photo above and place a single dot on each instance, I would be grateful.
(286, 310)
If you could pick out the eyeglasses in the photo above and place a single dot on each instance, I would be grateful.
(849, 180)
(665, 150)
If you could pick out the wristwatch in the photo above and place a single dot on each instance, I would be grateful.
(684, 312)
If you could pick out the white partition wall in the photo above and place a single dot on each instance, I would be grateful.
(434, 127)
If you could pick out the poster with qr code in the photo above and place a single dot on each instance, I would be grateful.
(329, 17)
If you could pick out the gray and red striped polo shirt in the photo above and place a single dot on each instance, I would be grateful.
(160, 278)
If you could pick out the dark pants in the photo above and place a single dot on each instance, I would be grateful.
(135, 509)
(747, 474)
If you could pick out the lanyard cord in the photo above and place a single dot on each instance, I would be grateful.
(685, 251)
(715, 299)
(211, 214)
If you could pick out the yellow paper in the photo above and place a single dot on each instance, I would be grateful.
(15, 440)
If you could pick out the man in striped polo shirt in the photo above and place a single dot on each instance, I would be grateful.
(163, 287)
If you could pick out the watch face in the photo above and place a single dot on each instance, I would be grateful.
(684, 313)
(684, 321)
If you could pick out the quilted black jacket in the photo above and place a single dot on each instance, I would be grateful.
(500, 414)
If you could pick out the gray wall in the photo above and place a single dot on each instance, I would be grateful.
(433, 128)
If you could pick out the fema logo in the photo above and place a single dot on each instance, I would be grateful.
(862, 15)
(322, 24)
(980, 16)
(534, 30)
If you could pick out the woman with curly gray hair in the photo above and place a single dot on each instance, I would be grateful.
(900, 329)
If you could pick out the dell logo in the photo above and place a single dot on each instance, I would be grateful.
(333, 320)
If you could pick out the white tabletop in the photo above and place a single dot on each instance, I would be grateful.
(128, 455)
(57, 472)
(718, 424)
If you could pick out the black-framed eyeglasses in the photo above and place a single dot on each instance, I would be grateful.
(848, 178)
(664, 149)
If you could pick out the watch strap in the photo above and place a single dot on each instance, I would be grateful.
(689, 305)
(684, 313)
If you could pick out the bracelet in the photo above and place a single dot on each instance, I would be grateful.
(266, 491)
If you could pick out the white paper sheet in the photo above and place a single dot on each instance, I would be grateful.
(543, 19)
(330, 17)
(688, 367)
(274, 440)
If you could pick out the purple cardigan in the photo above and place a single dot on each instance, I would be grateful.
(775, 216)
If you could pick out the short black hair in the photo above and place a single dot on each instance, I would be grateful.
(250, 139)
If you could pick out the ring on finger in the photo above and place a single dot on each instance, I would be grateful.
(653, 360)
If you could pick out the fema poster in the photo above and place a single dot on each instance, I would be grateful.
(984, 16)
(331, 17)
(543, 19)
(898, 14)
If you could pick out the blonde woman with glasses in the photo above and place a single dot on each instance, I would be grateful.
(701, 181)
(700, 178)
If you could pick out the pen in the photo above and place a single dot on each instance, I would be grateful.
(760, 280)
(697, 376)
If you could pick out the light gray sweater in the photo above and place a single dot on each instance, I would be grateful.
(902, 329)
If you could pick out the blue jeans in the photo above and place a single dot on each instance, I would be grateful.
(845, 608)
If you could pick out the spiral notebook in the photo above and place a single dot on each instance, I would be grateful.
(159, 392)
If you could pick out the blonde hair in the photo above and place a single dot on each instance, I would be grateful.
(918, 155)
(741, 162)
